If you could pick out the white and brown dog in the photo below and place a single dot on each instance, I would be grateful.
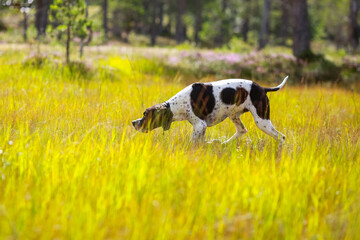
(207, 104)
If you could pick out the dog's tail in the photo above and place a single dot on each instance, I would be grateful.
(274, 89)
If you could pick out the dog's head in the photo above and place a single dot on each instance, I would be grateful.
(156, 116)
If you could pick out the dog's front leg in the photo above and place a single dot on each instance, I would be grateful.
(240, 128)
(199, 131)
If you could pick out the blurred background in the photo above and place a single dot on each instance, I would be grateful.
(314, 41)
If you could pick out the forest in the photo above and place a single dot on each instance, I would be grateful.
(206, 23)
(322, 36)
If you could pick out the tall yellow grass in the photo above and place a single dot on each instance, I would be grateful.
(72, 167)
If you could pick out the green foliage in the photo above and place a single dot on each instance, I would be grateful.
(328, 19)
(217, 24)
(81, 28)
(237, 45)
(64, 13)
(350, 72)
(68, 17)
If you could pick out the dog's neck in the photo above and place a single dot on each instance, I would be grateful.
(178, 108)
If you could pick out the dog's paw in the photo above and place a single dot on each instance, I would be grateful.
(227, 142)
(214, 141)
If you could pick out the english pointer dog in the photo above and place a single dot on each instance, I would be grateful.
(207, 104)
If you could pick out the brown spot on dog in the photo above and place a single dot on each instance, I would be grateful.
(240, 96)
(260, 101)
(227, 95)
(231, 96)
(202, 99)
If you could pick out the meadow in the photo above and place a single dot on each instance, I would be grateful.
(72, 166)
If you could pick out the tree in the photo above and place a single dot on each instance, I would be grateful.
(284, 31)
(25, 10)
(24, 6)
(145, 16)
(245, 20)
(83, 33)
(354, 27)
(154, 30)
(126, 17)
(41, 16)
(300, 29)
(265, 24)
(198, 20)
(218, 23)
(105, 20)
(71, 13)
(223, 24)
(179, 34)
(159, 25)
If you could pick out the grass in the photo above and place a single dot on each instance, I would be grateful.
(72, 167)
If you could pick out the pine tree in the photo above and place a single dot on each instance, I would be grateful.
(71, 13)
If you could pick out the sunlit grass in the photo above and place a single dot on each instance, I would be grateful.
(73, 167)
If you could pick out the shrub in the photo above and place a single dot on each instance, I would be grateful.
(350, 71)
(321, 70)
(36, 60)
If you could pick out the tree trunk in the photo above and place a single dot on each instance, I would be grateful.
(144, 28)
(265, 24)
(219, 38)
(224, 6)
(184, 32)
(153, 23)
(105, 20)
(25, 26)
(25, 21)
(81, 49)
(284, 30)
(68, 35)
(354, 27)
(116, 28)
(86, 17)
(245, 28)
(41, 16)
(161, 17)
(300, 29)
(246, 20)
(179, 34)
(68, 44)
(198, 20)
(167, 30)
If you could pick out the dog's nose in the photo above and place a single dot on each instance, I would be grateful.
(134, 123)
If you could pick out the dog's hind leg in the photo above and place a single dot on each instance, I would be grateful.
(266, 126)
(240, 128)
(261, 113)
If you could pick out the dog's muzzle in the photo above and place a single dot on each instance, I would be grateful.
(138, 125)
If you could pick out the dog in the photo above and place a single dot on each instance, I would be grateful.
(207, 104)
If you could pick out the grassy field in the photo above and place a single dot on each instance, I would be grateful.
(72, 166)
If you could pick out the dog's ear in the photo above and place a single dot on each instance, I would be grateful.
(167, 117)
(167, 120)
